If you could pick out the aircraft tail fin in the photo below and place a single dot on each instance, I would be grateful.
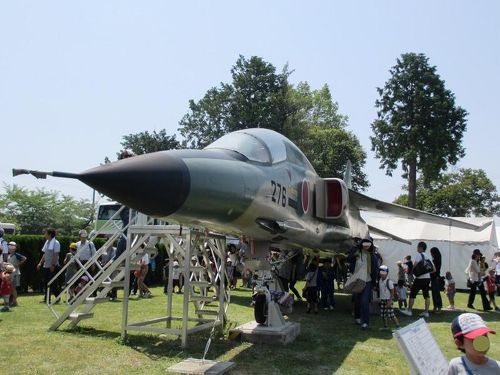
(348, 174)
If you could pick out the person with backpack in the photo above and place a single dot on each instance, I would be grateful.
(386, 295)
(422, 280)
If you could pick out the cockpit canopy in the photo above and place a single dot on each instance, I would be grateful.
(262, 146)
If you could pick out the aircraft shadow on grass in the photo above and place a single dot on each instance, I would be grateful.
(325, 341)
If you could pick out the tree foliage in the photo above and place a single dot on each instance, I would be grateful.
(146, 142)
(329, 149)
(319, 130)
(418, 123)
(254, 98)
(34, 210)
(467, 193)
(260, 97)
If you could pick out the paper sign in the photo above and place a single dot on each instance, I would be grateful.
(421, 349)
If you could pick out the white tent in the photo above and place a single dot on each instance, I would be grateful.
(455, 244)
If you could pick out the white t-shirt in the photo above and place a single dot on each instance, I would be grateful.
(85, 251)
(456, 367)
(474, 271)
(51, 249)
(385, 293)
(418, 257)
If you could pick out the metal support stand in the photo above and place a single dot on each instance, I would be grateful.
(210, 283)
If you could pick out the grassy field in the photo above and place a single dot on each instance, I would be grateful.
(329, 342)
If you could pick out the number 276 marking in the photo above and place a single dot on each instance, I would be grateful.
(279, 194)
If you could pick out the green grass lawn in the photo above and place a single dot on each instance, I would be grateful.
(329, 342)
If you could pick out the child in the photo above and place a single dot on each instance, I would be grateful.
(409, 270)
(17, 260)
(401, 292)
(6, 287)
(71, 269)
(176, 277)
(471, 337)
(491, 286)
(450, 290)
(312, 288)
(401, 272)
(81, 284)
(386, 290)
(144, 291)
(326, 279)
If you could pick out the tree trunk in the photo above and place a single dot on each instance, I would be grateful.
(412, 184)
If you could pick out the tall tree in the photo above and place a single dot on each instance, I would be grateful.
(34, 210)
(417, 122)
(465, 193)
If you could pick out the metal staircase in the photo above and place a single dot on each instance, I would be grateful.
(201, 256)
(100, 282)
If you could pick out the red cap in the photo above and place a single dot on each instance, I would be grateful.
(470, 326)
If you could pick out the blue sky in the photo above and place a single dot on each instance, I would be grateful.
(77, 76)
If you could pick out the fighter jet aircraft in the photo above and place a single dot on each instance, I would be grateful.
(252, 182)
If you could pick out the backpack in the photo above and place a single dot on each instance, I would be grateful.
(387, 286)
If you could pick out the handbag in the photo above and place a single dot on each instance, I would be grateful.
(469, 283)
(441, 283)
(354, 283)
(423, 267)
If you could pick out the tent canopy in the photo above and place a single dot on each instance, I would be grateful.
(455, 244)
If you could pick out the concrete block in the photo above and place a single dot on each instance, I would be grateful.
(199, 367)
(259, 334)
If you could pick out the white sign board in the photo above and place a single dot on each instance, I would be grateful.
(421, 349)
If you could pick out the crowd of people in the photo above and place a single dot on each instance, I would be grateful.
(10, 275)
(320, 276)
(378, 290)
(421, 271)
(49, 264)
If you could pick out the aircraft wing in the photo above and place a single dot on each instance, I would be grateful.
(387, 234)
(366, 203)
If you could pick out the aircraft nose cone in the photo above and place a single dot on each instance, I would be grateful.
(156, 184)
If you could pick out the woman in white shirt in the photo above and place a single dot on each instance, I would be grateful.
(476, 282)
